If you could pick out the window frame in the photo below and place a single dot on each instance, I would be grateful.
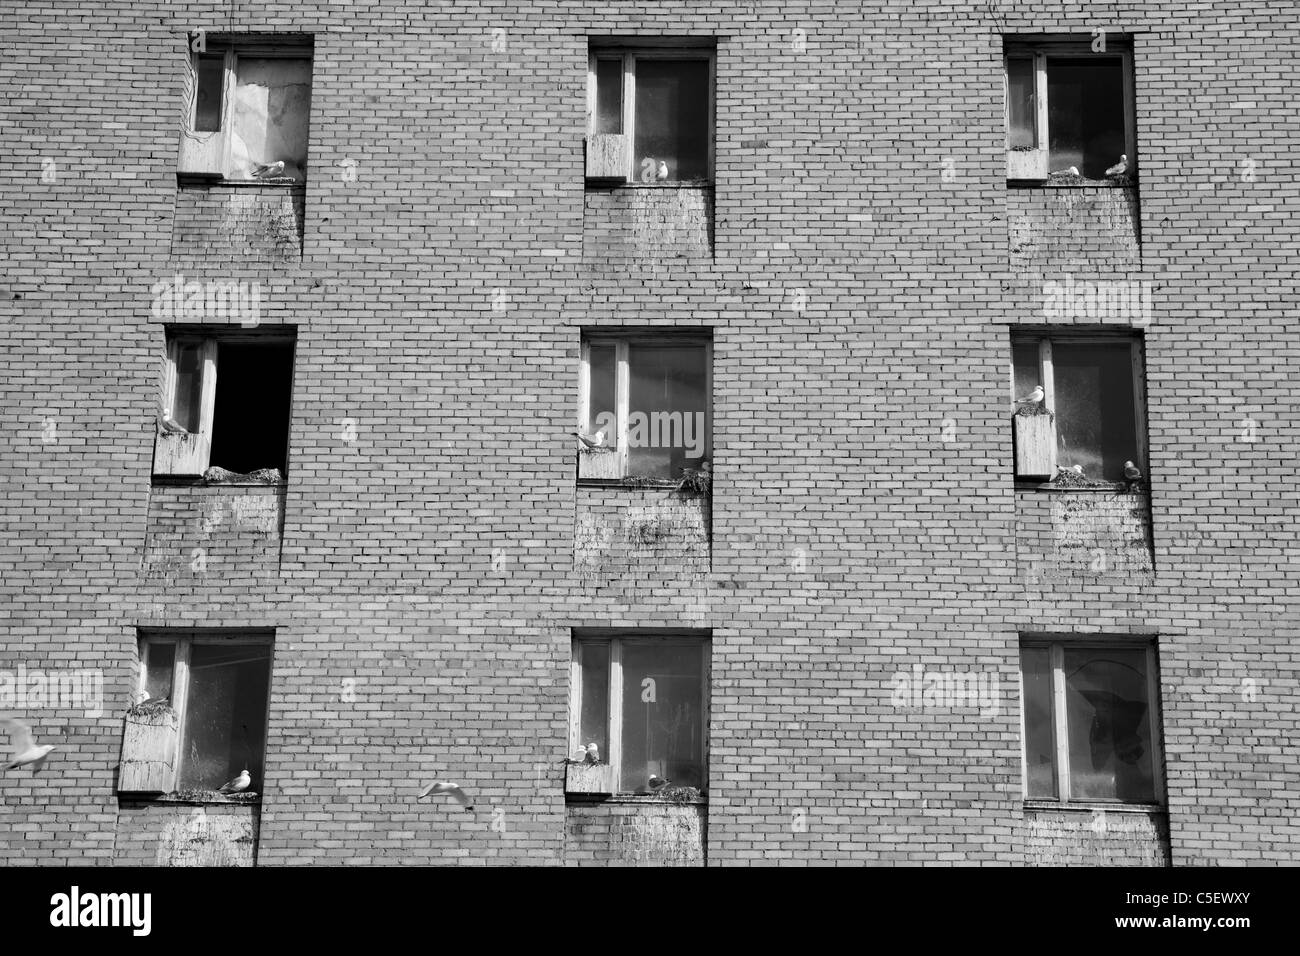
(614, 678)
(629, 56)
(184, 641)
(623, 386)
(1047, 378)
(1041, 50)
(1056, 645)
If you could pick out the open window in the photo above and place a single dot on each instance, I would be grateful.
(1069, 111)
(643, 700)
(645, 406)
(248, 110)
(650, 114)
(225, 403)
(1091, 724)
(202, 716)
(1092, 418)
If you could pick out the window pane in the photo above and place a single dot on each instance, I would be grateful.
(1028, 370)
(663, 720)
(594, 719)
(1109, 719)
(667, 409)
(603, 415)
(1085, 113)
(1040, 748)
(672, 118)
(1095, 416)
(189, 385)
(207, 106)
(160, 658)
(1020, 103)
(225, 717)
(272, 108)
(609, 96)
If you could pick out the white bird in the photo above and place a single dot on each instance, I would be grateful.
(1077, 469)
(1131, 471)
(26, 752)
(452, 789)
(657, 782)
(238, 785)
(1120, 168)
(1033, 397)
(1072, 171)
(268, 170)
(593, 753)
(170, 425)
(595, 441)
(662, 172)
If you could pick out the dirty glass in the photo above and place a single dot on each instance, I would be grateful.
(189, 385)
(225, 715)
(1109, 718)
(663, 717)
(1040, 749)
(1085, 113)
(672, 119)
(207, 102)
(609, 95)
(602, 398)
(1096, 425)
(160, 659)
(271, 112)
(667, 409)
(1020, 102)
(1027, 368)
(594, 719)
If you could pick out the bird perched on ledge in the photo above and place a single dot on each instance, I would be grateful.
(169, 425)
(1033, 398)
(1132, 475)
(238, 784)
(1120, 168)
(595, 441)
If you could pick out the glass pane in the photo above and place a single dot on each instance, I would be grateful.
(602, 415)
(663, 719)
(207, 106)
(272, 109)
(609, 96)
(189, 385)
(1085, 113)
(594, 719)
(1109, 717)
(1023, 132)
(1095, 416)
(1040, 748)
(667, 409)
(160, 658)
(1028, 370)
(672, 119)
(225, 717)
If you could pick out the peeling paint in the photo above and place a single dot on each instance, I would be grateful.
(1075, 227)
(1096, 838)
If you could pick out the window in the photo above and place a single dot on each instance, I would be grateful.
(238, 420)
(218, 688)
(650, 115)
(1091, 728)
(249, 110)
(645, 406)
(643, 700)
(1093, 386)
(1070, 108)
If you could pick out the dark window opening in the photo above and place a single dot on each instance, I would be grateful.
(250, 428)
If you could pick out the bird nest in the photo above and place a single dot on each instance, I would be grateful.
(675, 794)
(199, 795)
(266, 476)
(695, 481)
(1072, 479)
(1032, 408)
(150, 708)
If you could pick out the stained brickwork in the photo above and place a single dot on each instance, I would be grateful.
(863, 516)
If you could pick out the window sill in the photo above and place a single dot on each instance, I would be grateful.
(642, 799)
(678, 184)
(196, 179)
(1070, 184)
(194, 800)
(664, 484)
(172, 481)
(1109, 487)
(1093, 807)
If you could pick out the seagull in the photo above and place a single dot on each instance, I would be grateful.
(238, 785)
(662, 172)
(170, 425)
(1132, 474)
(1034, 397)
(1077, 469)
(25, 750)
(443, 787)
(268, 170)
(595, 441)
(1072, 171)
(1120, 168)
(593, 753)
(656, 782)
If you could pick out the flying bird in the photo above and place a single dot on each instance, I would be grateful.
(439, 787)
(1120, 168)
(170, 425)
(238, 785)
(26, 752)
(1034, 397)
(595, 441)
(662, 172)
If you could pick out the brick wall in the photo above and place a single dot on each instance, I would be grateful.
(863, 513)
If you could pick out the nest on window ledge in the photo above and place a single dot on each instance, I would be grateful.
(151, 708)
(675, 794)
(1068, 478)
(695, 481)
(1031, 408)
(199, 794)
(264, 476)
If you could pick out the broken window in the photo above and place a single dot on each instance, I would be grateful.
(1092, 418)
(1069, 111)
(650, 115)
(1091, 727)
(644, 702)
(206, 698)
(249, 110)
(225, 406)
(646, 406)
